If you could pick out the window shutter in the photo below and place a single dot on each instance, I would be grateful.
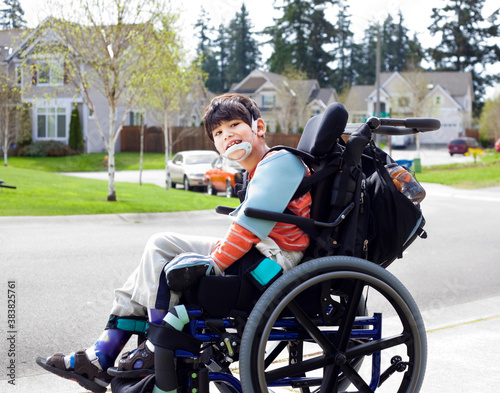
(66, 73)
(34, 75)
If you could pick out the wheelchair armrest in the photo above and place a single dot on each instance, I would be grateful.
(301, 222)
(224, 209)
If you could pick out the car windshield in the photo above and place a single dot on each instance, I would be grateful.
(200, 159)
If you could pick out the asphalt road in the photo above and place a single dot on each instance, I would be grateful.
(65, 270)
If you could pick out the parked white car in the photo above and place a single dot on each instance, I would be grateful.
(402, 140)
(189, 167)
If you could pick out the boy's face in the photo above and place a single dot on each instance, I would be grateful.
(236, 131)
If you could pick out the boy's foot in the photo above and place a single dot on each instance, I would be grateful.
(138, 363)
(85, 373)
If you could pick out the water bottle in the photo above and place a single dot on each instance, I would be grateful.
(406, 183)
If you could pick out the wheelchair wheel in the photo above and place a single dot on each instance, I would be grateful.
(386, 351)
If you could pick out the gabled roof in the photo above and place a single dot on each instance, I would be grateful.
(455, 84)
(259, 81)
(10, 40)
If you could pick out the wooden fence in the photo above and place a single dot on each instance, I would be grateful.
(185, 138)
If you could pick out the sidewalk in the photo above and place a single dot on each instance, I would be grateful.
(462, 344)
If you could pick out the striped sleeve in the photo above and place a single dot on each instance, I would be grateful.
(238, 242)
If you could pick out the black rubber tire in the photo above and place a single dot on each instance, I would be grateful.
(339, 270)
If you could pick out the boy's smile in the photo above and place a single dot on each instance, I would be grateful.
(234, 132)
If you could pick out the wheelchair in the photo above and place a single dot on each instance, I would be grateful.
(335, 323)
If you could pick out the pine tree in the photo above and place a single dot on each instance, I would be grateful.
(398, 51)
(468, 42)
(12, 16)
(243, 51)
(206, 50)
(342, 75)
(299, 38)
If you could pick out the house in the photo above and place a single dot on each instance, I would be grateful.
(285, 104)
(47, 88)
(447, 96)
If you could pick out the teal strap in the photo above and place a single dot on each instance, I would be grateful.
(158, 390)
(132, 325)
(266, 271)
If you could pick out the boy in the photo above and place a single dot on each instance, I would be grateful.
(233, 122)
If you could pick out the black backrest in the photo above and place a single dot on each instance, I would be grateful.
(322, 132)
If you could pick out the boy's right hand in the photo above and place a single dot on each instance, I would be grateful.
(186, 270)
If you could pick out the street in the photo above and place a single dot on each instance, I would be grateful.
(65, 270)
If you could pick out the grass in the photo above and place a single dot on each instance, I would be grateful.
(93, 162)
(41, 192)
(484, 173)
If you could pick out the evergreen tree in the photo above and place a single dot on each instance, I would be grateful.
(342, 75)
(363, 58)
(468, 41)
(12, 16)
(209, 64)
(75, 131)
(222, 45)
(299, 38)
(243, 51)
(398, 51)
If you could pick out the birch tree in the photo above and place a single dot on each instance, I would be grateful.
(110, 52)
(169, 79)
(10, 98)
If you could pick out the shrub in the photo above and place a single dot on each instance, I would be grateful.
(75, 131)
(46, 149)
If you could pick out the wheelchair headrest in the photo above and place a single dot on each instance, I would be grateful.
(322, 131)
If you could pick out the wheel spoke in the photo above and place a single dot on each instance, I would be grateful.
(355, 378)
(346, 325)
(291, 370)
(311, 328)
(377, 345)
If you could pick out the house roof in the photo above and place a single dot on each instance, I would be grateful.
(258, 81)
(356, 98)
(10, 40)
(458, 84)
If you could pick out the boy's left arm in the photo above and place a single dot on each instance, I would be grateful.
(273, 185)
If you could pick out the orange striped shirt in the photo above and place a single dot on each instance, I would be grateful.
(238, 240)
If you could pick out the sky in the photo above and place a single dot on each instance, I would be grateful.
(416, 14)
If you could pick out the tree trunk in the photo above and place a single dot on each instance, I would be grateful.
(141, 154)
(165, 133)
(111, 157)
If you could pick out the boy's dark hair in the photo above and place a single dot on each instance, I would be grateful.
(228, 107)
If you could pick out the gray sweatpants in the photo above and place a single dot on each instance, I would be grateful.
(139, 292)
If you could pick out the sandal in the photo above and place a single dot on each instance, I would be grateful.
(85, 373)
(138, 363)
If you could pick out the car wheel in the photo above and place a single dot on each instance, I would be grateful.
(229, 189)
(210, 189)
(186, 184)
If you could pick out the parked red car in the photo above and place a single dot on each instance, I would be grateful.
(222, 176)
(461, 145)
(497, 146)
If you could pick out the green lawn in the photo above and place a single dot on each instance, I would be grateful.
(484, 173)
(41, 192)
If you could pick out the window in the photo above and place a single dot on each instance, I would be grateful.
(136, 118)
(51, 123)
(50, 73)
(403, 101)
(437, 100)
(268, 100)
